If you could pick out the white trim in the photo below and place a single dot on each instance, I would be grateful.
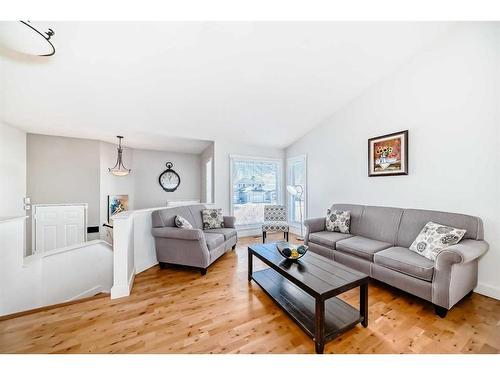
(488, 290)
(280, 192)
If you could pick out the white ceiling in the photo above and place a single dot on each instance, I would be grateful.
(263, 83)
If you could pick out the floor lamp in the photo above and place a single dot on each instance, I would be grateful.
(297, 191)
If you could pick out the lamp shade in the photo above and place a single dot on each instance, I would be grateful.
(22, 36)
(291, 190)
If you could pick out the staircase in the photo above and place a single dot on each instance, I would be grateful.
(52, 277)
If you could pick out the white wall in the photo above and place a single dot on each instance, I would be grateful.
(63, 170)
(148, 165)
(12, 170)
(448, 98)
(113, 185)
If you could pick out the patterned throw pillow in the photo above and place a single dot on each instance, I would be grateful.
(338, 221)
(434, 238)
(212, 218)
(180, 222)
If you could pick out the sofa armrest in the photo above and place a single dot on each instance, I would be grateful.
(455, 272)
(463, 252)
(316, 224)
(229, 221)
(178, 233)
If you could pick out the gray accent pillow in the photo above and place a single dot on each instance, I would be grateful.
(212, 218)
(180, 222)
(435, 237)
(338, 221)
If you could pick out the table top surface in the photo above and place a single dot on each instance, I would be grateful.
(317, 275)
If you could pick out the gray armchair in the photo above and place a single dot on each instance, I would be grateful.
(190, 247)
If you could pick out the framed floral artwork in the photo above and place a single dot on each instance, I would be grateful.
(388, 155)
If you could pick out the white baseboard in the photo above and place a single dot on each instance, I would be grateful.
(88, 293)
(131, 281)
(123, 290)
(145, 266)
(488, 290)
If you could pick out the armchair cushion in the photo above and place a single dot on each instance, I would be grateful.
(214, 240)
(178, 233)
(212, 218)
(229, 221)
(274, 226)
(180, 222)
(226, 232)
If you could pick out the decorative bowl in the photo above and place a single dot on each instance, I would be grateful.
(291, 251)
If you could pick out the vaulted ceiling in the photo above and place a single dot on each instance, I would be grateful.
(263, 83)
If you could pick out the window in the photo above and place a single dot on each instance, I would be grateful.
(254, 183)
(296, 175)
(208, 181)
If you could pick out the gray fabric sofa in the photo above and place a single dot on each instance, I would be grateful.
(190, 247)
(378, 246)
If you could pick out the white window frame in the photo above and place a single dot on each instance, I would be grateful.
(235, 157)
(289, 163)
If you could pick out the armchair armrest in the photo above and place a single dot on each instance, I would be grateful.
(463, 252)
(229, 221)
(178, 233)
(316, 224)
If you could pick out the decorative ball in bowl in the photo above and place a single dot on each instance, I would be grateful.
(291, 251)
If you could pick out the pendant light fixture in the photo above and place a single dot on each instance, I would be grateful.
(119, 169)
(25, 37)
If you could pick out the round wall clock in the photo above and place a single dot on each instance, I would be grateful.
(169, 180)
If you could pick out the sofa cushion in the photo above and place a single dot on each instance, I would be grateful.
(380, 223)
(213, 240)
(361, 246)
(355, 210)
(226, 232)
(338, 221)
(182, 223)
(212, 218)
(413, 221)
(404, 260)
(435, 237)
(327, 238)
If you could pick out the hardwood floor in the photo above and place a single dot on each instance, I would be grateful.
(180, 311)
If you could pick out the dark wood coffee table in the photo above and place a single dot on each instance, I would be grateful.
(306, 290)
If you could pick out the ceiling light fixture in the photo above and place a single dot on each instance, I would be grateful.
(26, 38)
(119, 169)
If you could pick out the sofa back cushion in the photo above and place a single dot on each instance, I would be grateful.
(413, 221)
(380, 223)
(355, 211)
(166, 216)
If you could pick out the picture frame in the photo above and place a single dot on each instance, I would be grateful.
(116, 204)
(388, 155)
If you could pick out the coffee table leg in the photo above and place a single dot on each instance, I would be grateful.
(320, 326)
(250, 265)
(363, 304)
